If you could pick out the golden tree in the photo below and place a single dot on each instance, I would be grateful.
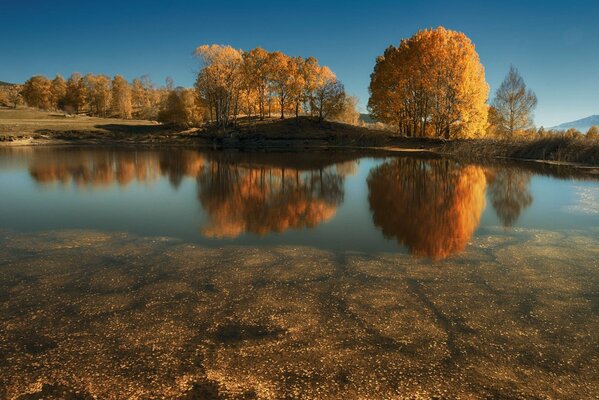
(142, 96)
(329, 94)
(99, 94)
(219, 82)
(182, 108)
(121, 97)
(281, 71)
(36, 92)
(433, 84)
(257, 76)
(76, 95)
(58, 92)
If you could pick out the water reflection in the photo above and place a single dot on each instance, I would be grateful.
(256, 193)
(430, 206)
(509, 193)
(265, 199)
(101, 168)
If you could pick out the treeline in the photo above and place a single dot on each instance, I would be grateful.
(260, 83)
(97, 95)
(231, 84)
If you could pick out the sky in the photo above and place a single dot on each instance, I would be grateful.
(554, 44)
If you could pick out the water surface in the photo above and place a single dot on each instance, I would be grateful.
(174, 272)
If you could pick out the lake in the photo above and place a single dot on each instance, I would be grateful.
(183, 273)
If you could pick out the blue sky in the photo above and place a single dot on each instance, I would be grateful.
(555, 45)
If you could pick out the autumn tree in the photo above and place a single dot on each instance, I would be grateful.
(233, 81)
(76, 94)
(593, 132)
(58, 92)
(36, 92)
(514, 104)
(219, 81)
(432, 84)
(281, 71)
(139, 95)
(182, 108)
(99, 94)
(256, 76)
(121, 97)
(329, 96)
(348, 112)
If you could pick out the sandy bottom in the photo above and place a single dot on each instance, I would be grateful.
(112, 316)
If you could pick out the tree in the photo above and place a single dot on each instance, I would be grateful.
(99, 94)
(76, 94)
(121, 97)
(433, 84)
(139, 93)
(281, 71)
(297, 83)
(58, 92)
(256, 75)
(219, 81)
(329, 95)
(593, 132)
(36, 92)
(348, 112)
(182, 108)
(514, 104)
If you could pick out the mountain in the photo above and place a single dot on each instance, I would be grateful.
(582, 125)
(6, 84)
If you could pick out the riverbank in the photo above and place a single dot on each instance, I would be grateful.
(26, 127)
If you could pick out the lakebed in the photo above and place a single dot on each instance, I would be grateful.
(186, 273)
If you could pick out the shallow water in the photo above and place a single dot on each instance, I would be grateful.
(186, 274)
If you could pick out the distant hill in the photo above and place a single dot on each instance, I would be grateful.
(582, 125)
(6, 84)
(367, 118)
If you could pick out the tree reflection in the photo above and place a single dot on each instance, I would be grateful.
(509, 194)
(241, 192)
(432, 207)
(105, 168)
(262, 199)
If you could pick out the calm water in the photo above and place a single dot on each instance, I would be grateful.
(187, 274)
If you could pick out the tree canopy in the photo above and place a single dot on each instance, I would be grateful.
(432, 84)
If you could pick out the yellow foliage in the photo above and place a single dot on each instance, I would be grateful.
(433, 84)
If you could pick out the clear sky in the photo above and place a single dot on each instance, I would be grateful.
(554, 44)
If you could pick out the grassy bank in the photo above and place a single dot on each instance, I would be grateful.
(559, 149)
(32, 127)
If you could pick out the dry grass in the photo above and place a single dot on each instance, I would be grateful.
(555, 148)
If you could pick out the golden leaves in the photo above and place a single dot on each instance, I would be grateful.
(433, 84)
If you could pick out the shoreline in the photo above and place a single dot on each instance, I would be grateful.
(301, 145)
(34, 128)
